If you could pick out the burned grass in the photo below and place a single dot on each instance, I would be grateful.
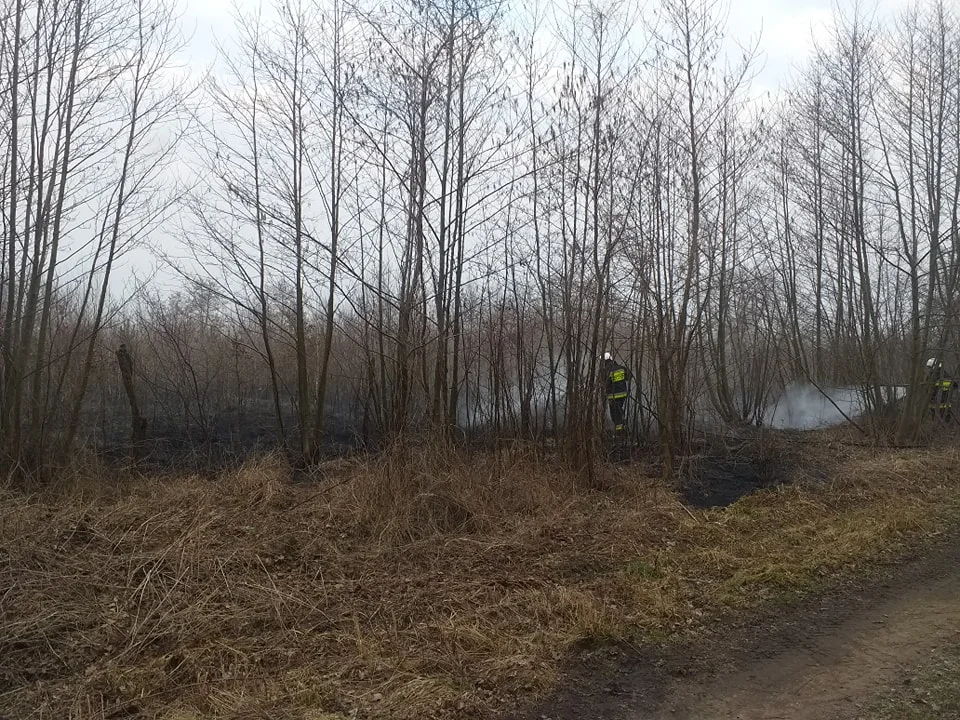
(728, 468)
(416, 585)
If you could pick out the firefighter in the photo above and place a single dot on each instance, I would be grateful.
(618, 389)
(941, 391)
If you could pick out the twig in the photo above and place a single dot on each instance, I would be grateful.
(695, 519)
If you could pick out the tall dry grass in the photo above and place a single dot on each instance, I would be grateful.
(416, 584)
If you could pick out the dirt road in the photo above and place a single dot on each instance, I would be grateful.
(820, 660)
(835, 667)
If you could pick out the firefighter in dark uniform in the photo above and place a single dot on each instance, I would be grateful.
(941, 391)
(618, 389)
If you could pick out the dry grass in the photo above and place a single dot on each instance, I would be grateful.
(411, 586)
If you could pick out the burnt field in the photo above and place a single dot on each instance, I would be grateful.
(414, 583)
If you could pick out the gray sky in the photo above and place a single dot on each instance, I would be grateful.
(786, 28)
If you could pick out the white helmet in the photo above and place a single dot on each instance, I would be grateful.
(931, 363)
(607, 356)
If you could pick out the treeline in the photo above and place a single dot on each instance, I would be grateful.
(436, 217)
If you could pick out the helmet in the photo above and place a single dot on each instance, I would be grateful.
(932, 363)
(607, 356)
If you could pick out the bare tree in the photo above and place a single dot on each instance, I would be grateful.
(92, 82)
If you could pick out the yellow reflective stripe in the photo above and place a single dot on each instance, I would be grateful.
(618, 375)
(617, 396)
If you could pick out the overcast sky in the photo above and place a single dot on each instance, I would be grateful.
(786, 28)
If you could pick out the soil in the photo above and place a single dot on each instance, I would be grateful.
(821, 658)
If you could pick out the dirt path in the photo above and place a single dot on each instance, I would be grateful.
(817, 661)
(827, 675)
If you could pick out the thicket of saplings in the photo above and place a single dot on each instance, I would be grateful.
(432, 219)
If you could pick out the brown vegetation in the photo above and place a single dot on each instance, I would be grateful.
(411, 585)
(441, 214)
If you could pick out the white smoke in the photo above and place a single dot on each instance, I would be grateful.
(802, 406)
